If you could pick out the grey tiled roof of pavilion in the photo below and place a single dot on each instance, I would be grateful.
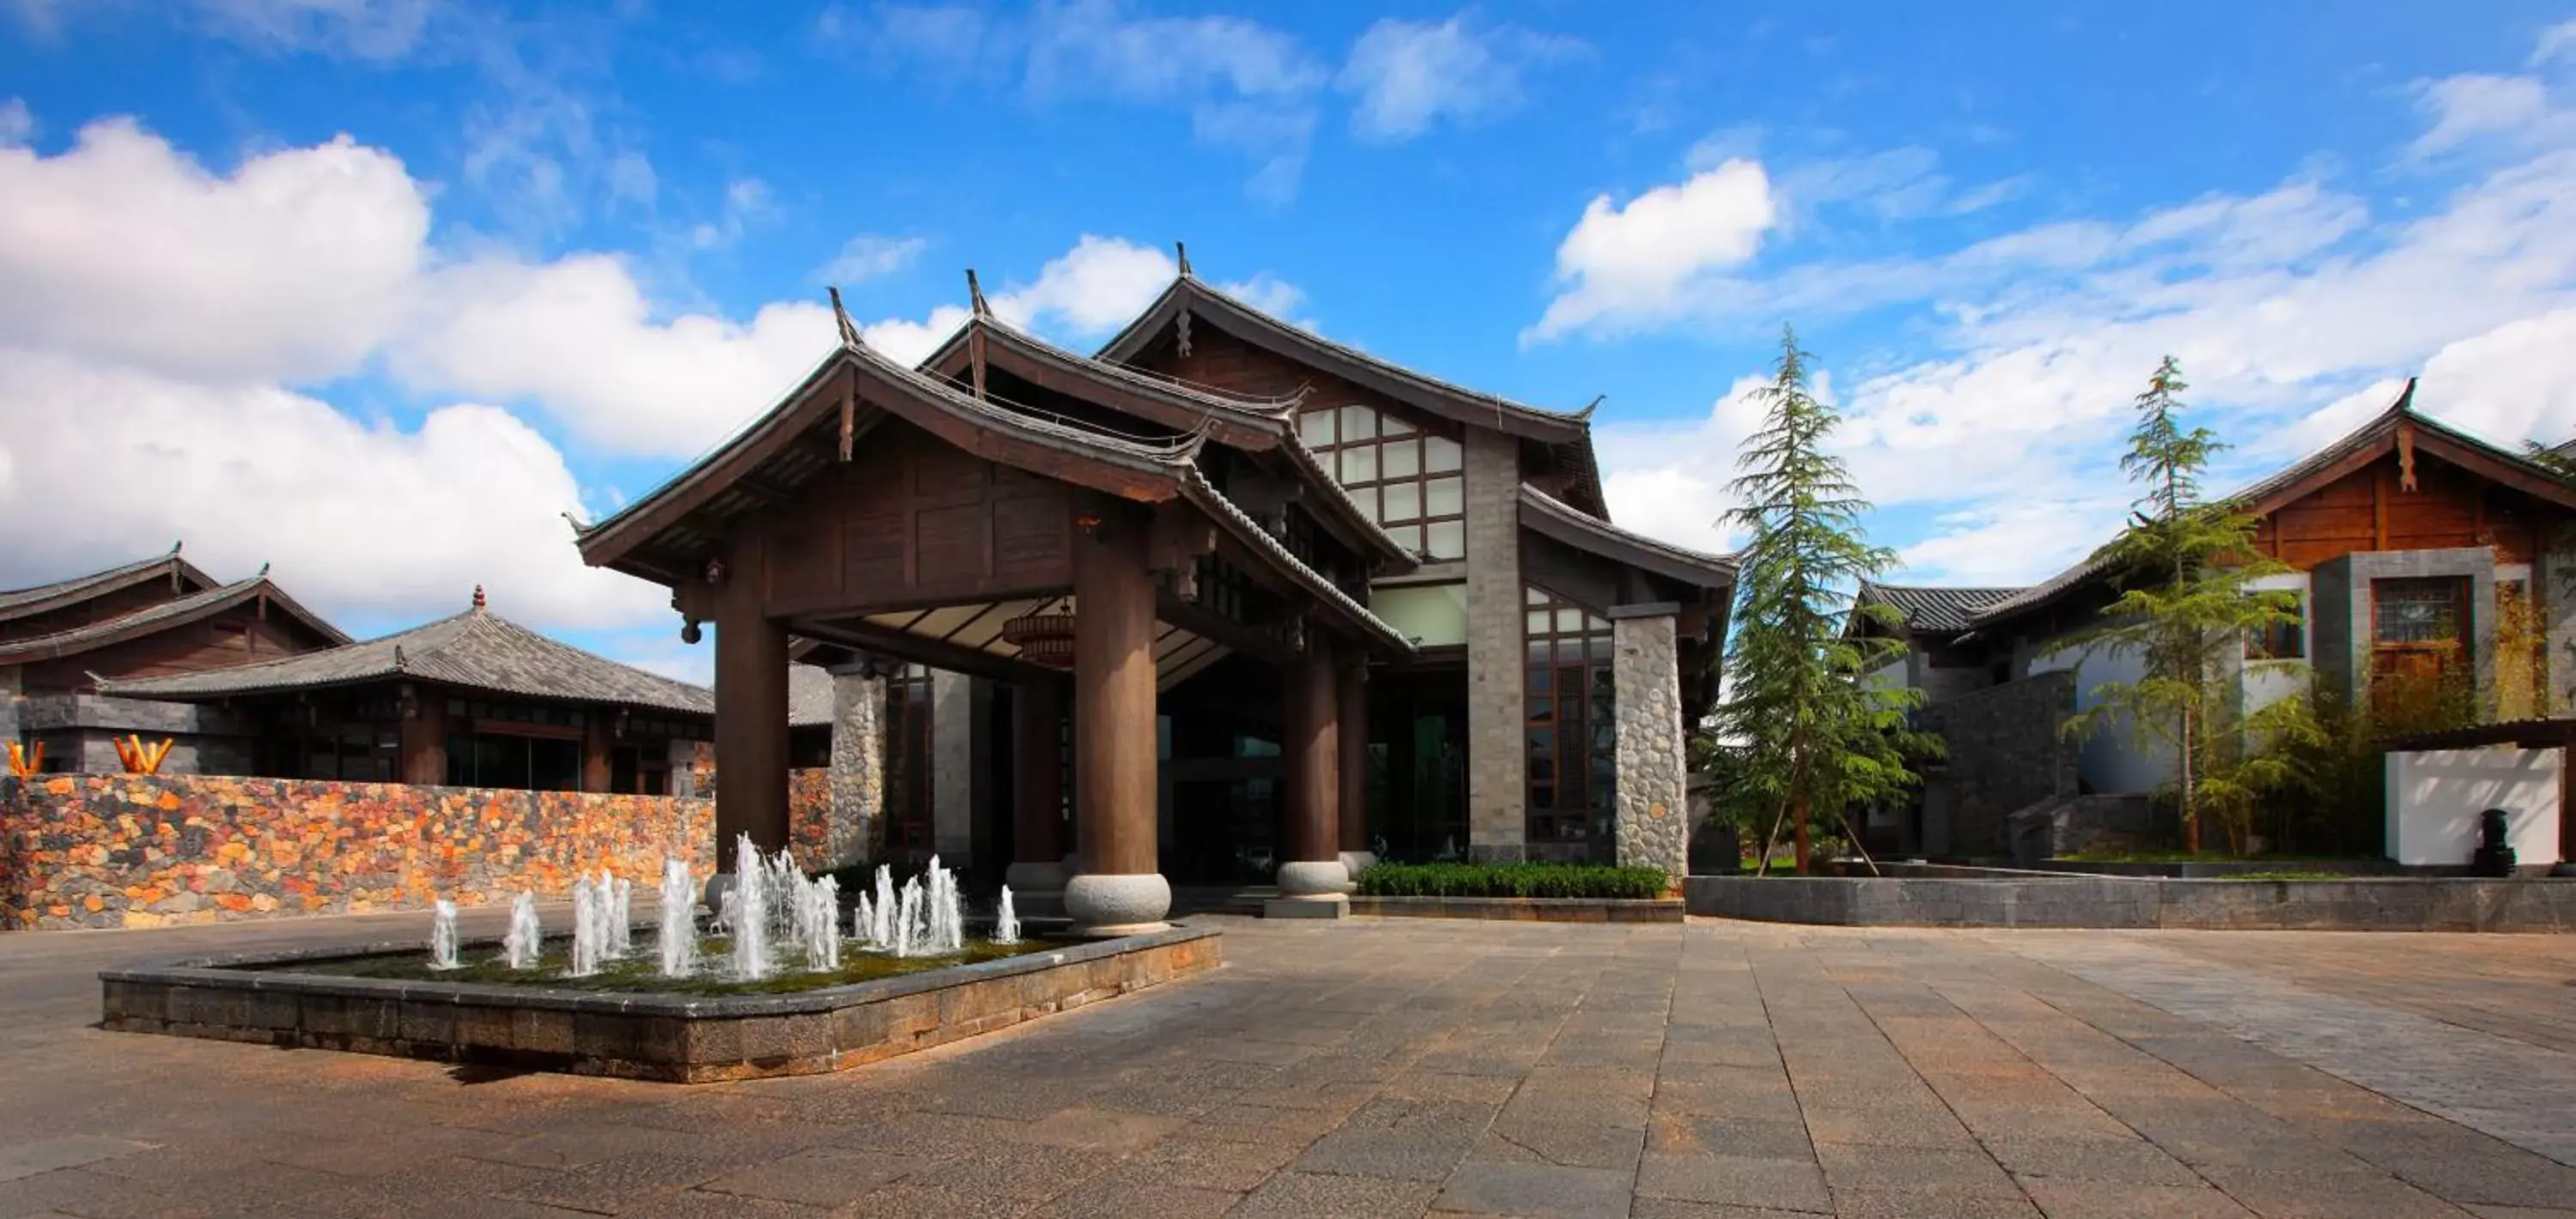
(1932, 609)
(475, 650)
(809, 696)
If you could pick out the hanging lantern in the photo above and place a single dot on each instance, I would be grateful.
(1043, 639)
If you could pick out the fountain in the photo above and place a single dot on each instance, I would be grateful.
(526, 938)
(820, 903)
(881, 932)
(750, 916)
(1006, 921)
(621, 913)
(590, 932)
(442, 935)
(679, 933)
(863, 923)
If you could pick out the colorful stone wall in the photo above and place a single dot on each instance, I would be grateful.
(146, 851)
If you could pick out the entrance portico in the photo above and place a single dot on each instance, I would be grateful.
(1073, 535)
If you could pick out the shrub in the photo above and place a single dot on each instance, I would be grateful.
(1511, 880)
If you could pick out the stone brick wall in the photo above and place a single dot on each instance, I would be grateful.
(857, 775)
(145, 851)
(1645, 676)
(2006, 753)
(1497, 791)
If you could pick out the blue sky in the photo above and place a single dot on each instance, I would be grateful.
(376, 291)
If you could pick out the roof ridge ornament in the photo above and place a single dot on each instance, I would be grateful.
(983, 315)
(479, 602)
(1181, 252)
(841, 317)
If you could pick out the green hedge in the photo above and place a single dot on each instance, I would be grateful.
(1510, 880)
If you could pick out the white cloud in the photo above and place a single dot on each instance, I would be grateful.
(2466, 107)
(363, 29)
(1411, 74)
(1088, 47)
(17, 123)
(358, 519)
(578, 336)
(1102, 283)
(2296, 313)
(1626, 264)
(870, 256)
(2556, 43)
(292, 266)
(745, 200)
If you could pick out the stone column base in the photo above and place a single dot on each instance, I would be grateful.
(1313, 877)
(1356, 862)
(1102, 903)
(1313, 905)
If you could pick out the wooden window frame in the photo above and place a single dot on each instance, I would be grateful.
(1332, 440)
(1571, 748)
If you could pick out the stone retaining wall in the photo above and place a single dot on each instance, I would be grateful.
(144, 851)
(2362, 904)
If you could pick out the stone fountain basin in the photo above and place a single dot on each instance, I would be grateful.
(261, 998)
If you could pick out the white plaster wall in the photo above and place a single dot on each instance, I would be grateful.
(2112, 761)
(1896, 674)
(2435, 796)
(2265, 682)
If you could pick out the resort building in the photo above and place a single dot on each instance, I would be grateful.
(1225, 598)
(62, 644)
(2424, 560)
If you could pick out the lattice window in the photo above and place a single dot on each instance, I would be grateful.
(1571, 721)
(1405, 477)
(909, 826)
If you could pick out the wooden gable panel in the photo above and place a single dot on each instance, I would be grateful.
(1223, 362)
(2366, 510)
(237, 636)
(912, 520)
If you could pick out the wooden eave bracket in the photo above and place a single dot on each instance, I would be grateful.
(2405, 456)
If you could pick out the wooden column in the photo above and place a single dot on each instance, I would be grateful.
(751, 716)
(424, 737)
(596, 747)
(1310, 751)
(1037, 775)
(1113, 697)
(1352, 687)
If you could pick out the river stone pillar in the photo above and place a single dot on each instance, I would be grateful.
(1653, 819)
(1121, 890)
(857, 775)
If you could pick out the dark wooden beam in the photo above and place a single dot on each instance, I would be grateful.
(921, 649)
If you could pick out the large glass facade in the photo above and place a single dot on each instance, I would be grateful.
(1405, 476)
(1571, 727)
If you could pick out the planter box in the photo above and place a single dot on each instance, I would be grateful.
(1525, 909)
(1996, 898)
(674, 1038)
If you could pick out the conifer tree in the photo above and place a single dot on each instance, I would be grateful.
(1816, 739)
(2183, 566)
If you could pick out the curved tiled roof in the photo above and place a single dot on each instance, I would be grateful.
(184, 610)
(1573, 525)
(20, 602)
(1932, 609)
(475, 650)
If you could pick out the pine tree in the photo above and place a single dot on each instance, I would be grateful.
(2184, 566)
(1817, 740)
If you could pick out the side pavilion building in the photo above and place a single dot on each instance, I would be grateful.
(1240, 591)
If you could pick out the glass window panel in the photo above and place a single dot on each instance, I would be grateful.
(1542, 796)
(1446, 539)
(1403, 458)
(1315, 428)
(1366, 498)
(1389, 425)
(1358, 423)
(1403, 501)
(1359, 464)
(1569, 621)
(1532, 596)
(1440, 455)
(1407, 536)
(1538, 622)
(1444, 497)
(1601, 654)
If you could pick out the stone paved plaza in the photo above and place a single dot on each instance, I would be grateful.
(1394, 1067)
